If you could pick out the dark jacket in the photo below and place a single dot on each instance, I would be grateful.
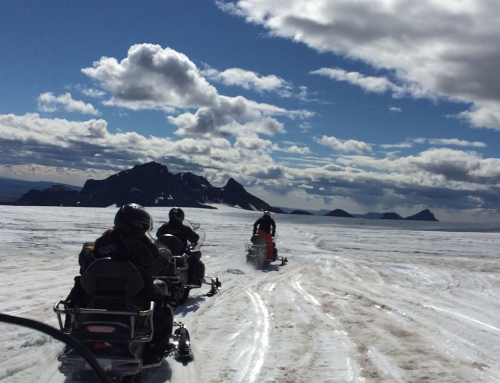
(120, 246)
(181, 231)
(266, 224)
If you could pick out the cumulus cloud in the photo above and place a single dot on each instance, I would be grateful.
(84, 145)
(344, 145)
(151, 77)
(294, 149)
(433, 48)
(248, 80)
(47, 102)
(441, 177)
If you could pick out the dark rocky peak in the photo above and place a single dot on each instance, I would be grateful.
(192, 181)
(391, 215)
(149, 167)
(424, 215)
(338, 213)
(233, 187)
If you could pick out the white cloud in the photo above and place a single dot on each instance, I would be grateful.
(344, 145)
(456, 142)
(47, 102)
(294, 149)
(94, 93)
(400, 145)
(248, 80)
(151, 77)
(367, 83)
(433, 48)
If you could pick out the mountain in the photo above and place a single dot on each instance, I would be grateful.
(150, 184)
(11, 189)
(424, 215)
(301, 212)
(339, 213)
(52, 196)
(391, 216)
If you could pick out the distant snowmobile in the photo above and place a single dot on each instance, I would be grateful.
(260, 254)
(177, 273)
(113, 326)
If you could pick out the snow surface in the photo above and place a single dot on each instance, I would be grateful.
(359, 301)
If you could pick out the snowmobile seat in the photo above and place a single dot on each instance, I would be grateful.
(113, 287)
(258, 240)
(172, 242)
(111, 284)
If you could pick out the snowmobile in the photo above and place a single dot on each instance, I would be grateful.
(177, 273)
(113, 326)
(259, 254)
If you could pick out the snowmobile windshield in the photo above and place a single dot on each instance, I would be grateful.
(195, 227)
(193, 247)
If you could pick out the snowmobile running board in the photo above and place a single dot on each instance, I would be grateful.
(214, 283)
(283, 260)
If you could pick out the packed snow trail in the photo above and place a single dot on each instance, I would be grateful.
(354, 304)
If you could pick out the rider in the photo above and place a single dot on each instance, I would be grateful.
(266, 227)
(127, 241)
(176, 227)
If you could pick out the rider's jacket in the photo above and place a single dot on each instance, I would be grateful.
(266, 224)
(181, 231)
(121, 246)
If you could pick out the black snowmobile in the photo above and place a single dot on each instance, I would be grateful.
(113, 326)
(258, 252)
(178, 274)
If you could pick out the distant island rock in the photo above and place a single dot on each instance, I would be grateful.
(424, 215)
(339, 213)
(301, 212)
(391, 216)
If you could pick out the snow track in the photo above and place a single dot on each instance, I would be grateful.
(354, 304)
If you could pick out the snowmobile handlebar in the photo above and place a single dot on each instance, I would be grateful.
(56, 334)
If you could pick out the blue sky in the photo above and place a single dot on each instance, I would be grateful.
(368, 105)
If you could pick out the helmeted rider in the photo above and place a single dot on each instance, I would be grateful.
(127, 241)
(176, 227)
(265, 226)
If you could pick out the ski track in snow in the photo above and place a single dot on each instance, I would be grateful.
(354, 304)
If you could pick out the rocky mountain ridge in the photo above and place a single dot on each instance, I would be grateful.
(150, 184)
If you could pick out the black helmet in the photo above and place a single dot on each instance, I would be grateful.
(133, 219)
(177, 213)
(267, 213)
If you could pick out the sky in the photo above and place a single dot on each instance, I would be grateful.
(367, 105)
(356, 303)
